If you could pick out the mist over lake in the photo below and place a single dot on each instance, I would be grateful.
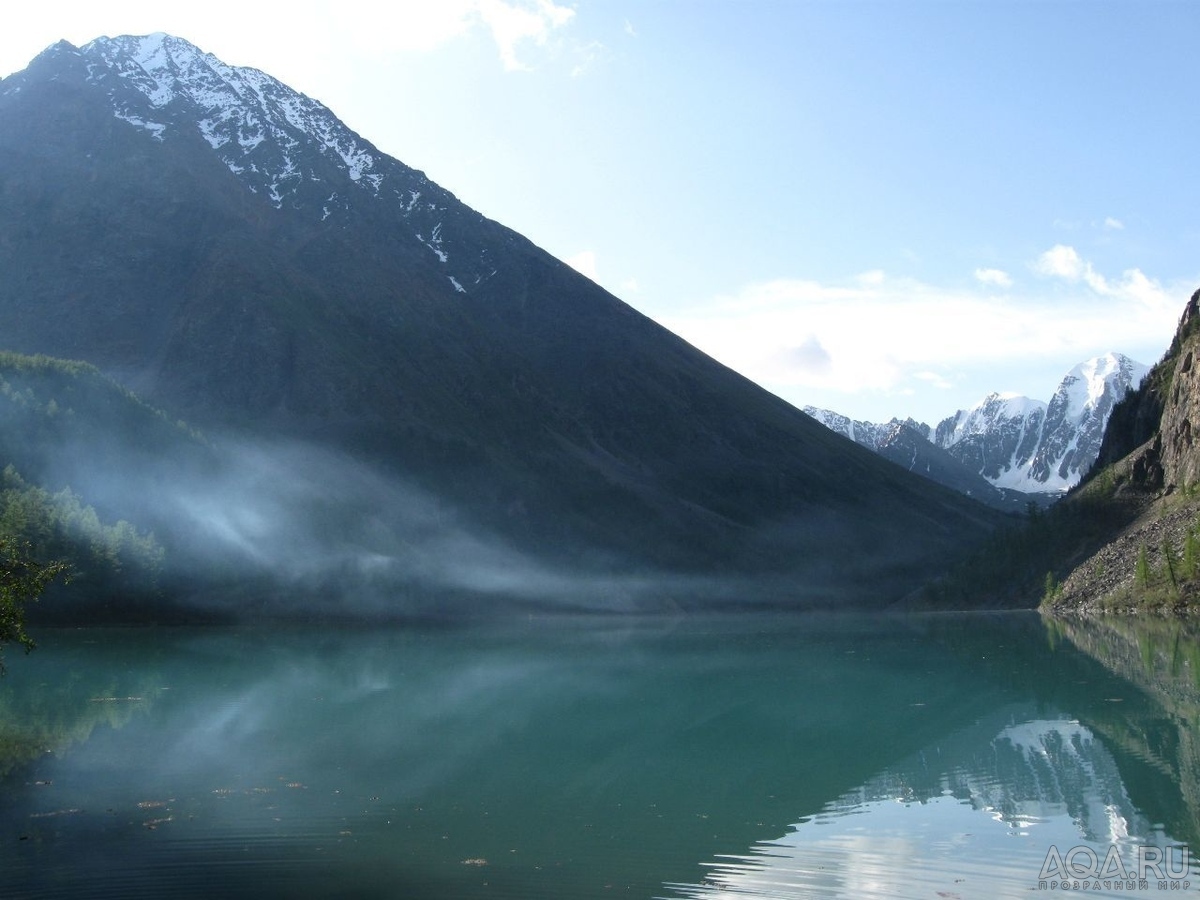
(376, 549)
(714, 756)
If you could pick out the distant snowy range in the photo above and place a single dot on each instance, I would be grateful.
(1007, 450)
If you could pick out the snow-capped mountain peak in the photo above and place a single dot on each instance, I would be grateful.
(984, 417)
(1087, 384)
(237, 110)
(285, 149)
(1019, 443)
(1028, 445)
(869, 434)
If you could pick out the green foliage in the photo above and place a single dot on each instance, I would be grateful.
(51, 715)
(61, 526)
(22, 581)
(1052, 588)
(1029, 560)
(1141, 572)
(1148, 650)
(1168, 553)
(53, 410)
(49, 404)
(1156, 586)
(1103, 483)
(1009, 568)
(1191, 555)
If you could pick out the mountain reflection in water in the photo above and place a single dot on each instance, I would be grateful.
(971, 817)
(700, 757)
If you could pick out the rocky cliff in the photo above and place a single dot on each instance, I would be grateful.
(1147, 476)
(1179, 448)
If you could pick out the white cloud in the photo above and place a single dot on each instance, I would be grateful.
(423, 26)
(808, 356)
(887, 336)
(1133, 286)
(1148, 292)
(586, 56)
(414, 25)
(512, 24)
(285, 45)
(934, 378)
(584, 262)
(1108, 223)
(996, 277)
(1060, 261)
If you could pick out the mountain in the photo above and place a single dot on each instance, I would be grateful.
(1008, 450)
(1126, 538)
(907, 443)
(1145, 484)
(1032, 446)
(227, 249)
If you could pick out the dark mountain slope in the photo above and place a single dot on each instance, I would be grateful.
(227, 249)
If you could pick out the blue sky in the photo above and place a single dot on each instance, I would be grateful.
(886, 208)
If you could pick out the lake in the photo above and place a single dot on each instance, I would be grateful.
(947, 756)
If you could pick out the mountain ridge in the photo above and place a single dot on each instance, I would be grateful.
(1126, 539)
(909, 445)
(1017, 445)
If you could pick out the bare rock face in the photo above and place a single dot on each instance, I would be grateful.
(1180, 428)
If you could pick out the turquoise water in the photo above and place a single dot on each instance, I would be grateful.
(780, 757)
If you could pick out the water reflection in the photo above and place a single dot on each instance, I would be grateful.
(974, 814)
(978, 823)
(1158, 728)
(571, 759)
(49, 716)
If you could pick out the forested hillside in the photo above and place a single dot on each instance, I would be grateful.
(54, 416)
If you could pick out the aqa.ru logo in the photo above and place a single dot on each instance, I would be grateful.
(1081, 869)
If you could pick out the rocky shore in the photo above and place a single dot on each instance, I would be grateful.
(1107, 581)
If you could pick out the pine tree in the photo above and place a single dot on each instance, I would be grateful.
(1168, 553)
(1052, 587)
(1141, 572)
